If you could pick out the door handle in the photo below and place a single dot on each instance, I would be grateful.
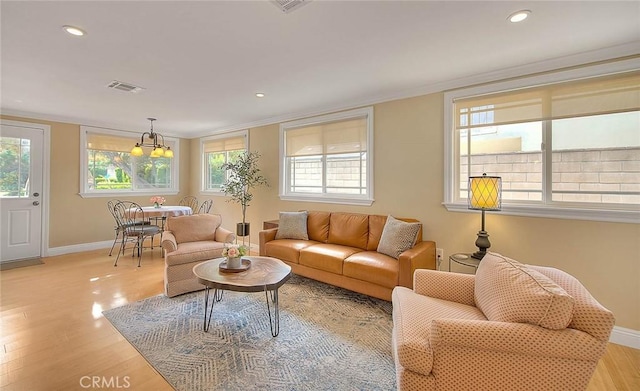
(36, 203)
(36, 194)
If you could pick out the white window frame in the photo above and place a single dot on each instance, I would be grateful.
(203, 163)
(366, 199)
(85, 192)
(593, 212)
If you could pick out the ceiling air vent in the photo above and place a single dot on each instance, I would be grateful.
(126, 87)
(287, 6)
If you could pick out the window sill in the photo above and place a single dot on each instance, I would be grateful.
(121, 194)
(609, 215)
(328, 200)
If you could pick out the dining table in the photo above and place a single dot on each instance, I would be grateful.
(166, 211)
(160, 213)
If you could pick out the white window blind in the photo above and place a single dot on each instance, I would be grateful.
(331, 138)
(108, 142)
(606, 95)
(224, 144)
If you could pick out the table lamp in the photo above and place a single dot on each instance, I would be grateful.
(484, 194)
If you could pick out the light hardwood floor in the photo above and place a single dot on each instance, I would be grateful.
(55, 338)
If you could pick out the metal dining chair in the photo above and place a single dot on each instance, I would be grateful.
(205, 207)
(118, 229)
(131, 218)
(110, 205)
(191, 202)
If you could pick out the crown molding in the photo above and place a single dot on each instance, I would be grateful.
(580, 59)
(26, 115)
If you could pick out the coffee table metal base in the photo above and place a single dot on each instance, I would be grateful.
(270, 295)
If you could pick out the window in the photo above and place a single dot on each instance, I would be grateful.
(217, 151)
(567, 148)
(15, 167)
(108, 169)
(328, 158)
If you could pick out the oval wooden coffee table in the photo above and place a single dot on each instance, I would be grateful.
(265, 274)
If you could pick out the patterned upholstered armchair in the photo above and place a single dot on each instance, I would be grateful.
(187, 241)
(510, 326)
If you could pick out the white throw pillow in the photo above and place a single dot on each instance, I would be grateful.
(397, 237)
(292, 225)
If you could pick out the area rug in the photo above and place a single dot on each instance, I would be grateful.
(330, 339)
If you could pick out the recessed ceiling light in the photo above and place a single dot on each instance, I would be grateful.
(260, 94)
(519, 16)
(73, 30)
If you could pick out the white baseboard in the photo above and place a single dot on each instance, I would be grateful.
(76, 248)
(625, 337)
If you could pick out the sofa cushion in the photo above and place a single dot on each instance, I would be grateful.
(349, 229)
(371, 266)
(397, 237)
(508, 291)
(292, 225)
(194, 228)
(376, 225)
(328, 257)
(287, 249)
(318, 226)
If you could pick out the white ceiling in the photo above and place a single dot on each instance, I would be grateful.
(201, 62)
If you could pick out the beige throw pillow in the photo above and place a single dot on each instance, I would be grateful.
(292, 225)
(397, 237)
(508, 291)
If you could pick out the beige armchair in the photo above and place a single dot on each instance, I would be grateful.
(187, 241)
(509, 327)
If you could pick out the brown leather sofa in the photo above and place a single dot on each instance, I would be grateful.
(341, 250)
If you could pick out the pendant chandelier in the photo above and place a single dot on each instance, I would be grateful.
(158, 149)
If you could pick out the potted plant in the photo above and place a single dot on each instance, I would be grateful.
(243, 176)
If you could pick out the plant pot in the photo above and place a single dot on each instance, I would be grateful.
(234, 263)
(242, 229)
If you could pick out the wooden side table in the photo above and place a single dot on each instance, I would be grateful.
(464, 259)
(270, 224)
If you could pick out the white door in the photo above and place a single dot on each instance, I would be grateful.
(21, 151)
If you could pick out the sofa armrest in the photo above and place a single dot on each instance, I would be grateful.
(512, 339)
(448, 286)
(266, 236)
(224, 235)
(169, 243)
(420, 256)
